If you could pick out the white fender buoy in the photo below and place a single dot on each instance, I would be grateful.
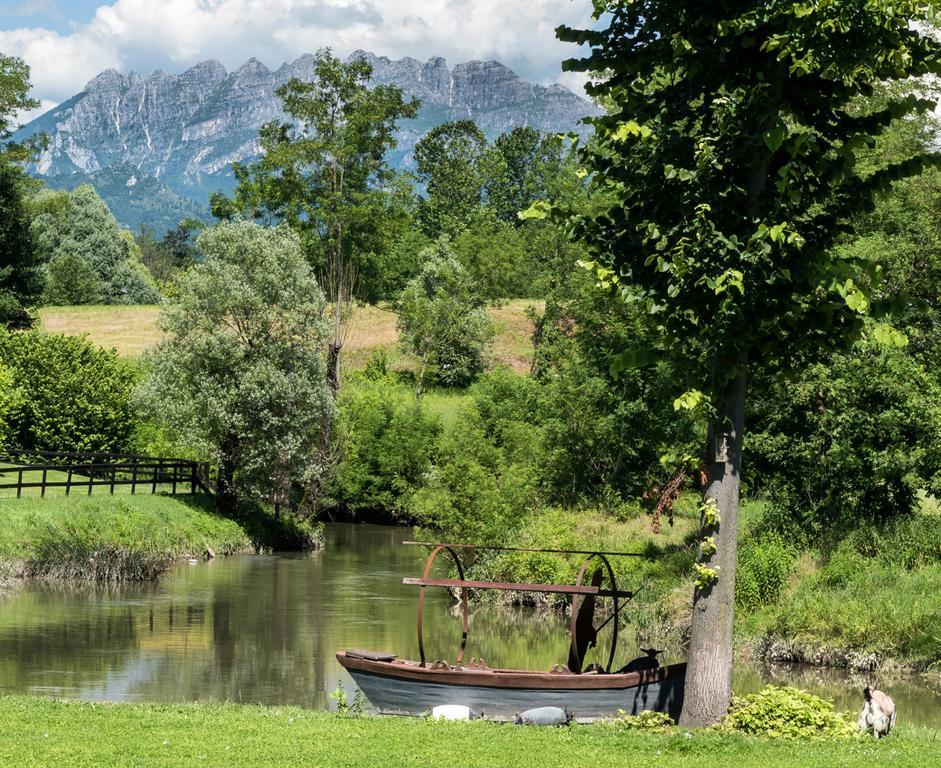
(543, 716)
(452, 712)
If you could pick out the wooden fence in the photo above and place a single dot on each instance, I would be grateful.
(86, 471)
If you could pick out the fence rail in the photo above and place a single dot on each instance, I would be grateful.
(87, 471)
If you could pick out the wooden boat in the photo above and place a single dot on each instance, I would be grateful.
(402, 687)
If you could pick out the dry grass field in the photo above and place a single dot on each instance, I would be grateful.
(132, 330)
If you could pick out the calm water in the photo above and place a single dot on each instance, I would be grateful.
(265, 629)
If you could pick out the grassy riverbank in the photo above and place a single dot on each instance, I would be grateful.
(46, 733)
(105, 538)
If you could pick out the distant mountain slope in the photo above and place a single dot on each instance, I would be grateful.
(184, 131)
(135, 198)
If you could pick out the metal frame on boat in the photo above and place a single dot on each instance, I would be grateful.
(401, 687)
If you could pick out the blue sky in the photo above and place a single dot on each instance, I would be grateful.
(67, 42)
(47, 13)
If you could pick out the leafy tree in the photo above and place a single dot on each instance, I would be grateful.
(324, 174)
(78, 227)
(730, 152)
(71, 395)
(519, 169)
(20, 272)
(21, 280)
(850, 440)
(388, 442)
(179, 243)
(443, 321)
(450, 159)
(497, 257)
(240, 373)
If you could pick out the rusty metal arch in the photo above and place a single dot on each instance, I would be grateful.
(421, 603)
(614, 589)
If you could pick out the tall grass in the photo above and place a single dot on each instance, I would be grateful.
(110, 539)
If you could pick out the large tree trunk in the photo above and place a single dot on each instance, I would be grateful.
(709, 670)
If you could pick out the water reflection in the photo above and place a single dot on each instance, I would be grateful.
(265, 629)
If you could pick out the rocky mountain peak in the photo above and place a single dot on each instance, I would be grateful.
(187, 129)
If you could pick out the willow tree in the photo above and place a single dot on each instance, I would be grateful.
(729, 151)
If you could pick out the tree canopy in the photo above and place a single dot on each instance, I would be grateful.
(240, 374)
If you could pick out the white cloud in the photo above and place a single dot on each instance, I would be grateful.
(172, 34)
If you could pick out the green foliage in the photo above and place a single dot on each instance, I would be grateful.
(100, 259)
(443, 321)
(475, 492)
(645, 721)
(450, 161)
(387, 441)
(73, 396)
(605, 432)
(729, 185)
(9, 397)
(787, 713)
(497, 256)
(240, 374)
(21, 279)
(877, 592)
(520, 169)
(764, 566)
(845, 441)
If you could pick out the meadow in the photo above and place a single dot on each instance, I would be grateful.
(132, 330)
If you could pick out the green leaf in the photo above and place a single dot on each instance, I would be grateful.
(539, 210)
(774, 137)
(631, 128)
(688, 401)
(885, 335)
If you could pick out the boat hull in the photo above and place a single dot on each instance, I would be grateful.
(404, 688)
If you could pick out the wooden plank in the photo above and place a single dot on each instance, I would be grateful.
(526, 549)
(559, 589)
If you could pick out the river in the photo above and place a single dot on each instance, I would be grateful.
(264, 629)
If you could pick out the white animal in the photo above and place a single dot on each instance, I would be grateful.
(878, 713)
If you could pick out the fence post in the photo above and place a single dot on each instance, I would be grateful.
(153, 487)
(68, 483)
(91, 479)
(193, 477)
(114, 472)
(134, 477)
(175, 468)
(42, 488)
(19, 483)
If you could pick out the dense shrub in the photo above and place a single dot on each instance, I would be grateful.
(849, 441)
(387, 441)
(763, 568)
(474, 493)
(789, 713)
(443, 321)
(73, 396)
(605, 432)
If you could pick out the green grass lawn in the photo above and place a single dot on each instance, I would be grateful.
(39, 732)
(9, 474)
(104, 537)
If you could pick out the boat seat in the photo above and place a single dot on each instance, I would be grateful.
(372, 655)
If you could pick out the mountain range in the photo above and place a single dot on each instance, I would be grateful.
(156, 146)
